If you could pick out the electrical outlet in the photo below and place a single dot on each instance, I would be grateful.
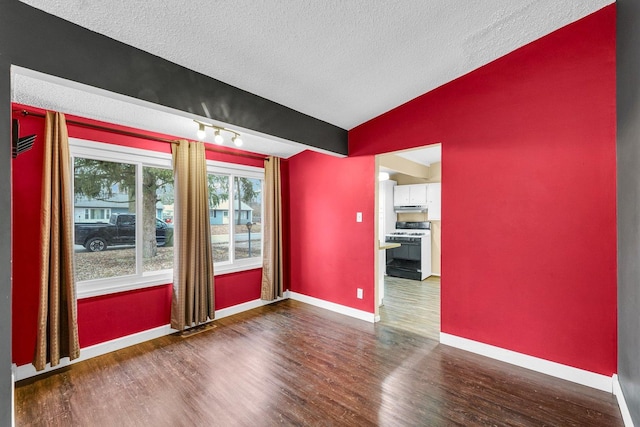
(359, 293)
(358, 216)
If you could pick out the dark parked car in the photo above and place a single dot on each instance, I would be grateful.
(120, 230)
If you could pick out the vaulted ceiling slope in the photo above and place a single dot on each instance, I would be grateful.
(343, 62)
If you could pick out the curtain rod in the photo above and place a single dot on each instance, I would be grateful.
(140, 135)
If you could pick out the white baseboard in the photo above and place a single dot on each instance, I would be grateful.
(27, 371)
(338, 308)
(622, 403)
(245, 306)
(13, 395)
(569, 373)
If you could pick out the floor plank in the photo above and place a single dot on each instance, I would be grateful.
(412, 305)
(294, 364)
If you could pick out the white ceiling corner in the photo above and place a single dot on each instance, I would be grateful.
(424, 156)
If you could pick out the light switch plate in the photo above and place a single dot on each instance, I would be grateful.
(359, 293)
(358, 216)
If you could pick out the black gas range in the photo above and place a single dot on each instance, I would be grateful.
(412, 260)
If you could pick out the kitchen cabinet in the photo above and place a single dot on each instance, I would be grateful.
(401, 195)
(418, 194)
(433, 201)
(410, 195)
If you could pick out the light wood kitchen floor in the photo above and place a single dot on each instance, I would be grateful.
(412, 306)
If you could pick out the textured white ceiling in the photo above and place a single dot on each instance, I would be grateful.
(425, 156)
(343, 62)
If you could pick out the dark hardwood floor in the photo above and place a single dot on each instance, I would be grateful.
(293, 364)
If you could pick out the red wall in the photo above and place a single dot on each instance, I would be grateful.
(528, 195)
(105, 317)
(331, 255)
(528, 235)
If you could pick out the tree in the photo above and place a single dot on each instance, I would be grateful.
(246, 192)
(218, 189)
(154, 181)
(102, 180)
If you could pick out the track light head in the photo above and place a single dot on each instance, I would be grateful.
(218, 139)
(237, 141)
(201, 133)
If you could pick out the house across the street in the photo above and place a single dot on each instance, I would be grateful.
(219, 214)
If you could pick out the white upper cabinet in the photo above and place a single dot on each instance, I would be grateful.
(410, 195)
(418, 195)
(433, 201)
(401, 195)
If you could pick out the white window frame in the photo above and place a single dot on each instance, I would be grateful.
(139, 158)
(148, 158)
(234, 170)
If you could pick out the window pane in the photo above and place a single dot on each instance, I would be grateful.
(219, 216)
(104, 247)
(157, 210)
(247, 205)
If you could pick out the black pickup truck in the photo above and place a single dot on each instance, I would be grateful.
(120, 230)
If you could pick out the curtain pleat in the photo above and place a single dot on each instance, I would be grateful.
(272, 270)
(57, 334)
(193, 283)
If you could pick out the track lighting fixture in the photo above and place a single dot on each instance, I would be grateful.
(218, 138)
(201, 133)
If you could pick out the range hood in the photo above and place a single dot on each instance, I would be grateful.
(408, 209)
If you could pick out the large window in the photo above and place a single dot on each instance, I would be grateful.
(247, 204)
(104, 248)
(157, 233)
(124, 217)
(236, 216)
(219, 216)
(122, 237)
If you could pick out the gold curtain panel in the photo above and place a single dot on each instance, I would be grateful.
(193, 284)
(57, 335)
(272, 232)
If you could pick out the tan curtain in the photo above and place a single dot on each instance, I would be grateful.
(193, 288)
(57, 315)
(272, 232)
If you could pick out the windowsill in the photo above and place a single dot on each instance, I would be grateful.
(114, 285)
(101, 287)
(243, 265)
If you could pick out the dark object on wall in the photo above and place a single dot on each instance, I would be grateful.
(20, 145)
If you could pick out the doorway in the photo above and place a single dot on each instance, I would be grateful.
(409, 301)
